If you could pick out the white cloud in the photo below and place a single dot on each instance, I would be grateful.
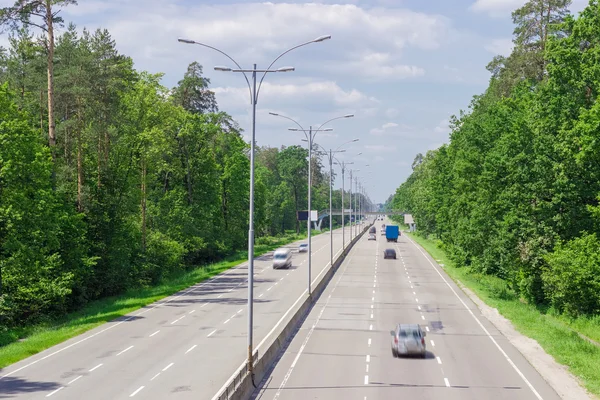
(392, 129)
(380, 148)
(496, 8)
(392, 112)
(442, 127)
(501, 47)
(316, 94)
(389, 125)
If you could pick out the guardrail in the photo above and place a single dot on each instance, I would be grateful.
(240, 385)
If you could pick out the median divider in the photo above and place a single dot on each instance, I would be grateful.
(241, 385)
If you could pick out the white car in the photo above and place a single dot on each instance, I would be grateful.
(303, 248)
(372, 236)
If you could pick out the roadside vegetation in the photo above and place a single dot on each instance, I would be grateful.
(513, 199)
(558, 335)
(20, 342)
(114, 186)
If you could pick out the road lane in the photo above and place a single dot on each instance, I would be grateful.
(348, 352)
(206, 322)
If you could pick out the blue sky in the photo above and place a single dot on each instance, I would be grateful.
(403, 67)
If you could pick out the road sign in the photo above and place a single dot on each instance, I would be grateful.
(303, 215)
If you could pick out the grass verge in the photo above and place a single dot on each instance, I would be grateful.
(556, 334)
(20, 343)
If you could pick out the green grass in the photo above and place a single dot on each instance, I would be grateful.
(19, 343)
(556, 334)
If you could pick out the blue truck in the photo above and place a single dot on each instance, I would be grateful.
(392, 232)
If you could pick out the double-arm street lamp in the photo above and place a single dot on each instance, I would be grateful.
(310, 135)
(343, 165)
(254, 92)
(329, 153)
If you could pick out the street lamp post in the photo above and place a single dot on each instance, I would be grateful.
(310, 135)
(254, 92)
(343, 167)
(330, 154)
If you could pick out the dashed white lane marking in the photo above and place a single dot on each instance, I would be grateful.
(370, 327)
(367, 368)
(419, 307)
(417, 300)
(212, 333)
(56, 391)
(178, 319)
(371, 305)
(167, 367)
(240, 310)
(369, 343)
(371, 315)
(439, 360)
(229, 319)
(96, 367)
(368, 358)
(422, 317)
(432, 343)
(219, 296)
(373, 292)
(512, 364)
(411, 286)
(446, 382)
(191, 348)
(427, 328)
(123, 351)
(261, 295)
(75, 379)
(155, 333)
(366, 379)
(203, 305)
(191, 311)
(155, 376)
(270, 288)
(137, 391)
(414, 292)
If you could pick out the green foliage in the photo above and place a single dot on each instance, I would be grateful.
(522, 170)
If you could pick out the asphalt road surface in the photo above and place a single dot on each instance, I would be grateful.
(185, 346)
(343, 350)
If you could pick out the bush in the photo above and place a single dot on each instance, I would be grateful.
(572, 278)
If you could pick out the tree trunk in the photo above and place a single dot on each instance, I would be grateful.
(51, 124)
(79, 158)
(143, 205)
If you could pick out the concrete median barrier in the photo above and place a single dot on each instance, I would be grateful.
(241, 386)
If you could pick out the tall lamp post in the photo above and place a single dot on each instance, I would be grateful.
(310, 135)
(343, 165)
(330, 154)
(254, 92)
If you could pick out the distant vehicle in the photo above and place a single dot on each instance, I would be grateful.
(303, 248)
(383, 226)
(372, 236)
(373, 230)
(389, 253)
(383, 231)
(392, 232)
(408, 339)
(282, 258)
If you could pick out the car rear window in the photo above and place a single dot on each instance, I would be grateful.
(280, 256)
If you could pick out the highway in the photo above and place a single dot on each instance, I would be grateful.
(343, 349)
(184, 346)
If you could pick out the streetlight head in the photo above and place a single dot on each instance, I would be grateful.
(224, 69)
(275, 114)
(322, 38)
(286, 69)
(304, 140)
(188, 41)
(293, 129)
(328, 130)
(355, 140)
(348, 115)
(341, 151)
(359, 154)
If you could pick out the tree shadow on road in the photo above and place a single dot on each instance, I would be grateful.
(9, 387)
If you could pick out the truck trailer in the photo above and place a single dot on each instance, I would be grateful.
(392, 232)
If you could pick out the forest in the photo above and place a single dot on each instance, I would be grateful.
(516, 191)
(111, 181)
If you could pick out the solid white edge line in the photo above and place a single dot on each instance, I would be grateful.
(432, 343)
(50, 394)
(137, 391)
(446, 382)
(302, 296)
(481, 325)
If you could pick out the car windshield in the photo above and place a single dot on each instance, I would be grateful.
(303, 245)
(280, 256)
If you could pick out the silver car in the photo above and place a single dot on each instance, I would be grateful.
(303, 248)
(408, 339)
